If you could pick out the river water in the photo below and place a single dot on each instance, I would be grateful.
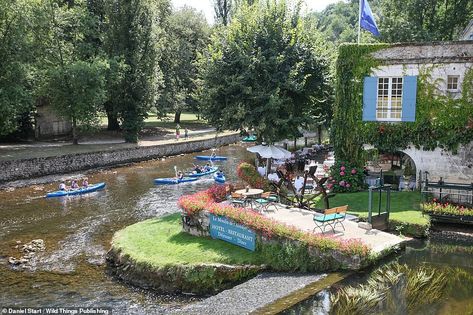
(77, 232)
(454, 257)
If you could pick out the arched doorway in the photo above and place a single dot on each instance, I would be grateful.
(397, 168)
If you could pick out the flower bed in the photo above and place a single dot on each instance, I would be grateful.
(436, 207)
(448, 212)
(269, 228)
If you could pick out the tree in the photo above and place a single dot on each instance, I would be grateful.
(223, 11)
(187, 33)
(133, 40)
(72, 75)
(15, 46)
(263, 72)
(339, 21)
(424, 20)
(77, 91)
(398, 20)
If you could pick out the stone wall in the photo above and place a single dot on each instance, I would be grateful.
(320, 260)
(199, 279)
(35, 167)
(457, 168)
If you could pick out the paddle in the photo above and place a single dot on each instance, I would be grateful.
(175, 171)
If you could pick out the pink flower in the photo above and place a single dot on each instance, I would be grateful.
(347, 185)
(329, 186)
(342, 168)
(342, 183)
(342, 173)
(353, 171)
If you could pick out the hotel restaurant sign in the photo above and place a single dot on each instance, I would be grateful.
(224, 229)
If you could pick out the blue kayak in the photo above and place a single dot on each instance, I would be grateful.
(79, 191)
(211, 158)
(174, 181)
(212, 170)
(219, 178)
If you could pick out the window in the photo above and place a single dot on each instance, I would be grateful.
(452, 83)
(389, 99)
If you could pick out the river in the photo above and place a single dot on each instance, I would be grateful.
(453, 257)
(77, 232)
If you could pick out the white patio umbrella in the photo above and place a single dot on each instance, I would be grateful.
(270, 152)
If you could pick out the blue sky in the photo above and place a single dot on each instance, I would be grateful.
(206, 5)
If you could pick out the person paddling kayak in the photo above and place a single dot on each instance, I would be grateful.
(62, 186)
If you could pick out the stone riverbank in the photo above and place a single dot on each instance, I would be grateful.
(253, 295)
(200, 279)
(26, 168)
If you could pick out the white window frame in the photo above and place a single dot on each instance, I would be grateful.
(390, 83)
(458, 83)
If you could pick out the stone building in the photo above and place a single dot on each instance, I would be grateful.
(48, 124)
(390, 92)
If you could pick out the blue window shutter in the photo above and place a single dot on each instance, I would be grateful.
(370, 93)
(409, 96)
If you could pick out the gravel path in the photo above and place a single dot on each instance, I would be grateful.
(247, 297)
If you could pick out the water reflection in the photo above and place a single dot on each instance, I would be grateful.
(77, 231)
(453, 259)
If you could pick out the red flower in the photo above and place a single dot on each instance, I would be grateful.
(203, 200)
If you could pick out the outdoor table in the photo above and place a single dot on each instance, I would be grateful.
(251, 193)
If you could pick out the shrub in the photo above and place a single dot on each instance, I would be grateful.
(346, 178)
(195, 203)
(248, 173)
(219, 192)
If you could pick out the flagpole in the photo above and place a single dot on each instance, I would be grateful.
(359, 22)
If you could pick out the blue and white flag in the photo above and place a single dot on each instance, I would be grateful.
(367, 19)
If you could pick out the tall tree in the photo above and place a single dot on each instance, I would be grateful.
(187, 33)
(339, 21)
(15, 63)
(223, 11)
(398, 20)
(424, 20)
(72, 74)
(263, 72)
(133, 41)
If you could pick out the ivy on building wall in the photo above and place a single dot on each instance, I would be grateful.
(353, 64)
(441, 120)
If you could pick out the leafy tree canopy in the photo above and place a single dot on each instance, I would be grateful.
(71, 70)
(187, 34)
(398, 20)
(134, 41)
(15, 48)
(264, 72)
(424, 20)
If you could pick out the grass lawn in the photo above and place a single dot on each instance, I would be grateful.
(405, 206)
(188, 120)
(159, 242)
